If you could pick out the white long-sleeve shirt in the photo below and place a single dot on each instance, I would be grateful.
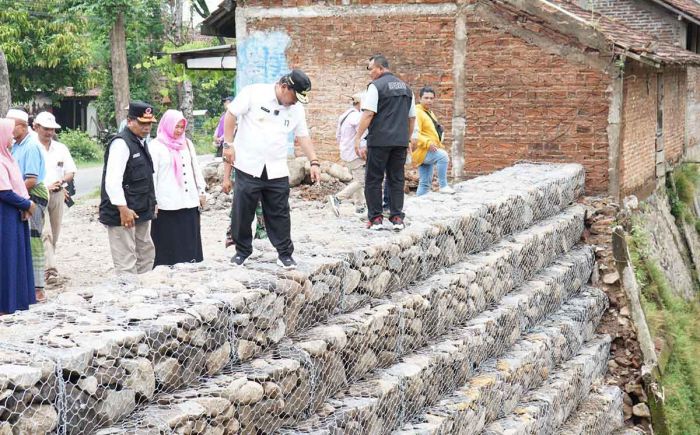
(116, 164)
(170, 195)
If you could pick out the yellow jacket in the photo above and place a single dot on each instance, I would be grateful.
(427, 134)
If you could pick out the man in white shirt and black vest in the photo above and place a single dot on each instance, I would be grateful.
(263, 116)
(388, 112)
(128, 199)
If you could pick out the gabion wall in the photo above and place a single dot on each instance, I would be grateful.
(476, 317)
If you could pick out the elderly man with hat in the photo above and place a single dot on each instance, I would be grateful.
(26, 150)
(263, 116)
(60, 170)
(128, 200)
(345, 135)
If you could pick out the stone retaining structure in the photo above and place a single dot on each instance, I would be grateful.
(600, 412)
(339, 353)
(209, 348)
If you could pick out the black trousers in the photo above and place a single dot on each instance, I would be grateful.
(274, 195)
(380, 161)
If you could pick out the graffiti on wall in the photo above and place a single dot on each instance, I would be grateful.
(261, 58)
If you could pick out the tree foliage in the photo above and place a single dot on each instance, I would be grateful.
(47, 48)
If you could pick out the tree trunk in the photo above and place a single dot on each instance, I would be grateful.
(5, 94)
(120, 69)
(186, 98)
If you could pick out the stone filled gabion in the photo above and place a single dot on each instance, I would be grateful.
(373, 330)
(600, 412)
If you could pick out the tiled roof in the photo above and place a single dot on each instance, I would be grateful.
(690, 7)
(624, 38)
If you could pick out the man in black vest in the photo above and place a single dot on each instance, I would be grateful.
(128, 199)
(390, 115)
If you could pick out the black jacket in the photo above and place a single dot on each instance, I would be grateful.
(137, 183)
(389, 126)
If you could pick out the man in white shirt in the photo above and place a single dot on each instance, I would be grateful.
(345, 135)
(128, 199)
(263, 116)
(60, 170)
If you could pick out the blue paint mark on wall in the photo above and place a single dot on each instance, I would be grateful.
(261, 58)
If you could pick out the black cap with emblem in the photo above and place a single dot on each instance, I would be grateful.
(141, 111)
(300, 83)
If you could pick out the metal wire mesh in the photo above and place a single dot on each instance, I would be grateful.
(377, 329)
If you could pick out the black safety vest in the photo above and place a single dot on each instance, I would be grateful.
(137, 182)
(389, 126)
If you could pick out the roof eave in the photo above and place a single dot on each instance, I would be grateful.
(221, 22)
(675, 10)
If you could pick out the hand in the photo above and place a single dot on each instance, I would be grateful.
(226, 185)
(55, 186)
(433, 148)
(228, 155)
(361, 152)
(315, 174)
(128, 216)
(27, 213)
(202, 200)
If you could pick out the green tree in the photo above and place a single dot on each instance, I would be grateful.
(123, 32)
(5, 93)
(46, 47)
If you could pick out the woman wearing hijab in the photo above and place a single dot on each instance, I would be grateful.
(179, 193)
(16, 272)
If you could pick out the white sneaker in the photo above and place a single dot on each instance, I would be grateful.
(447, 190)
(334, 202)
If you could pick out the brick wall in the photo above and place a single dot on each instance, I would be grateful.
(526, 104)
(643, 15)
(522, 103)
(675, 92)
(693, 107)
(639, 129)
(638, 154)
(334, 52)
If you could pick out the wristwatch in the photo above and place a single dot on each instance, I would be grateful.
(227, 145)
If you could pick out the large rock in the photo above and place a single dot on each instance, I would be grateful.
(296, 170)
(340, 172)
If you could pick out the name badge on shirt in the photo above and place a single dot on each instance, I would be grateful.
(136, 155)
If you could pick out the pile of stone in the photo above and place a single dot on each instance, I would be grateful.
(208, 348)
(299, 172)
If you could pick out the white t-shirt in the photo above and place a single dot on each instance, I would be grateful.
(59, 162)
(264, 128)
(170, 195)
(371, 100)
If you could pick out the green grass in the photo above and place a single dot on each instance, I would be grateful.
(686, 179)
(678, 322)
(89, 196)
(87, 164)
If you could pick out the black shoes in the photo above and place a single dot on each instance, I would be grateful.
(286, 262)
(238, 259)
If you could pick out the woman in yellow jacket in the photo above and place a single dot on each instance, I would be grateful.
(429, 152)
